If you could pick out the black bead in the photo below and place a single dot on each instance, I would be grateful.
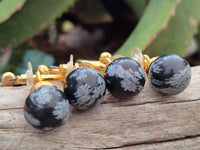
(46, 108)
(124, 77)
(85, 87)
(170, 74)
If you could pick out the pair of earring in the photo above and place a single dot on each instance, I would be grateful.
(125, 77)
(46, 107)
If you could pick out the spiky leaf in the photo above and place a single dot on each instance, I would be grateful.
(178, 34)
(32, 18)
(155, 17)
(9, 7)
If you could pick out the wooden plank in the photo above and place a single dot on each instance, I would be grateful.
(184, 144)
(148, 121)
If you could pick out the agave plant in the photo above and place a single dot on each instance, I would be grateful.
(166, 26)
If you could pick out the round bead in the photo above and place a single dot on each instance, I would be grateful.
(124, 77)
(170, 74)
(46, 108)
(85, 87)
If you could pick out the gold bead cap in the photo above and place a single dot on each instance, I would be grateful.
(40, 84)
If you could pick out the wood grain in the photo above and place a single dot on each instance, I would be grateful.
(149, 121)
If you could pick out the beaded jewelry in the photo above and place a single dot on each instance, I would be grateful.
(124, 76)
(46, 107)
(84, 86)
(169, 74)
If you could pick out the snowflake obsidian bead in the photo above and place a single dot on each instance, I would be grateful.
(170, 74)
(124, 77)
(85, 87)
(46, 108)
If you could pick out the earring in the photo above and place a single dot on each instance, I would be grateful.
(84, 86)
(169, 74)
(46, 107)
(124, 76)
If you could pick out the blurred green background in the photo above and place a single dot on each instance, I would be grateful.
(48, 31)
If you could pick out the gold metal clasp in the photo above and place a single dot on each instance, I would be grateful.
(104, 59)
(9, 79)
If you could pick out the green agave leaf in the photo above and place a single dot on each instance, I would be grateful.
(197, 37)
(155, 17)
(178, 34)
(34, 16)
(36, 58)
(9, 7)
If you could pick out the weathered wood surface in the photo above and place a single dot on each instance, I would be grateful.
(149, 121)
